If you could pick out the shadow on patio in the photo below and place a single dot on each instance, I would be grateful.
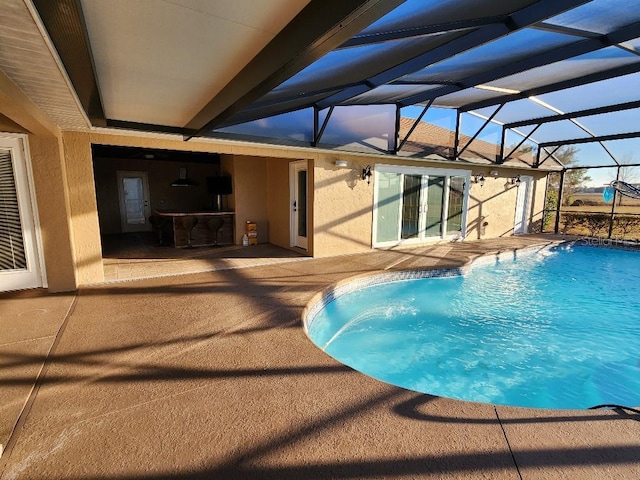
(211, 376)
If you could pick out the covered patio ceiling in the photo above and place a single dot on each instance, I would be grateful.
(542, 73)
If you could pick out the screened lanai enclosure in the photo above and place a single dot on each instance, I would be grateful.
(547, 85)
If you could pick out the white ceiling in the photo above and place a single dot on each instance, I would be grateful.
(161, 61)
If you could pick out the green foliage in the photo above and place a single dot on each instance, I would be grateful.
(550, 206)
(597, 224)
(574, 179)
(627, 224)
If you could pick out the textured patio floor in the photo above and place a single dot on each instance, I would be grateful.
(210, 375)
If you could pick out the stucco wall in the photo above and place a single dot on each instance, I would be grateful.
(278, 208)
(52, 199)
(250, 195)
(84, 212)
(492, 206)
(343, 207)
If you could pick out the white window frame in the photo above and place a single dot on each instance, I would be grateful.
(35, 275)
(428, 171)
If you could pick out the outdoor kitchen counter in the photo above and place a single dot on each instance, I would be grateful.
(202, 235)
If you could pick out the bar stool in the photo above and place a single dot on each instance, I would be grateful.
(189, 222)
(157, 222)
(215, 224)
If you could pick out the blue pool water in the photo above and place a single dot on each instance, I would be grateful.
(553, 329)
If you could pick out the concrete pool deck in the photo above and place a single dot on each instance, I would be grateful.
(210, 375)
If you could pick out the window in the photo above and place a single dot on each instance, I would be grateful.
(417, 204)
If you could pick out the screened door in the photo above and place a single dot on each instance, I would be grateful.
(415, 204)
(19, 262)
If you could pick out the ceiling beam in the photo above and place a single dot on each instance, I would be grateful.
(552, 87)
(315, 31)
(577, 114)
(64, 21)
(389, 73)
(599, 138)
(403, 34)
(522, 18)
(554, 55)
(574, 32)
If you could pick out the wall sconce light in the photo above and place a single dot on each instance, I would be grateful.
(494, 173)
(516, 180)
(341, 163)
(480, 179)
(366, 174)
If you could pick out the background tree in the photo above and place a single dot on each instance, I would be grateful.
(574, 179)
(627, 174)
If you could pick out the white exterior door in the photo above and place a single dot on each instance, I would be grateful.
(133, 193)
(299, 195)
(523, 204)
(20, 261)
(417, 204)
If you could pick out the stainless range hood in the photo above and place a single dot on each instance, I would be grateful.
(182, 180)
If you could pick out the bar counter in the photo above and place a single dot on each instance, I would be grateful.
(202, 234)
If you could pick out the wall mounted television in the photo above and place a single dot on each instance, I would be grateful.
(219, 185)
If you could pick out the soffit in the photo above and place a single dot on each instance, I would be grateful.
(25, 58)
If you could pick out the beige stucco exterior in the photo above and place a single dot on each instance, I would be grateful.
(343, 213)
(491, 209)
(343, 206)
(340, 203)
(278, 201)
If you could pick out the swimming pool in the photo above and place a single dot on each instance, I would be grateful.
(556, 328)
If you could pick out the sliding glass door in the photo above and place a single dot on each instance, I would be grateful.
(411, 206)
(414, 204)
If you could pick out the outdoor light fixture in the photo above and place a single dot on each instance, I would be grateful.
(516, 180)
(366, 174)
(494, 173)
(480, 179)
(341, 163)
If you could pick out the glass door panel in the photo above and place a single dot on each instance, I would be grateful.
(298, 196)
(435, 191)
(133, 197)
(302, 203)
(388, 206)
(415, 204)
(411, 206)
(456, 205)
(19, 259)
(134, 200)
